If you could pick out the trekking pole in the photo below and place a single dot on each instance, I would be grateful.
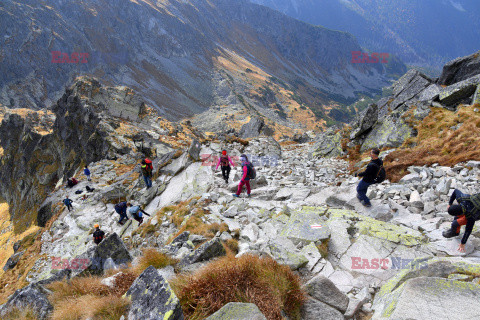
(146, 213)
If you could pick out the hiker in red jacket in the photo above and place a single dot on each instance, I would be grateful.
(225, 161)
(247, 173)
(147, 170)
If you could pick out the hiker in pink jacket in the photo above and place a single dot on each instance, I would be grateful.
(225, 161)
(247, 169)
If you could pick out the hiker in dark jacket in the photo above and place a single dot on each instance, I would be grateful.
(225, 161)
(368, 177)
(147, 170)
(98, 234)
(466, 212)
(68, 203)
(245, 177)
(121, 209)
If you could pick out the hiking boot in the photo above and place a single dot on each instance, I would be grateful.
(449, 233)
(248, 195)
(235, 195)
(367, 205)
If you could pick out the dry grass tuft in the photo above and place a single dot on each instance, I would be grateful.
(87, 298)
(231, 246)
(152, 257)
(24, 314)
(91, 307)
(437, 142)
(262, 281)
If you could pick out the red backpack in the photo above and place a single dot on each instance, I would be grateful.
(149, 164)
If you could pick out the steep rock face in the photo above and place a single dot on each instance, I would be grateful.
(412, 97)
(460, 69)
(40, 148)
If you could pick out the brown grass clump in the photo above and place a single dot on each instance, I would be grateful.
(231, 246)
(91, 307)
(231, 139)
(436, 142)
(86, 297)
(152, 257)
(24, 314)
(262, 281)
(77, 287)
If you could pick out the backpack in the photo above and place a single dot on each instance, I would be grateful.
(475, 212)
(251, 173)
(381, 175)
(149, 164)
(224, 161)
(98, 236)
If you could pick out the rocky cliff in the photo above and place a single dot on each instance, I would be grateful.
(42, 148)
(392, 120)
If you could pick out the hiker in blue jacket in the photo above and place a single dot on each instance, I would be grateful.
(137, 213)
(86, 172)
(68, 203)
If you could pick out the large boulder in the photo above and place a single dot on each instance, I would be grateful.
(253, 128)
(460, 69)
(111, 247)
(32, 296)
(324, 290)
(152, 298)
(315, 310)
(366, 121)
(238, 311)
(427, 290)
(208, 250)
(13, 260)
(299, 226)
(390, 131)
(433, 298)
(327, 144)
(459, 92)
(284, 252)
(405, 89)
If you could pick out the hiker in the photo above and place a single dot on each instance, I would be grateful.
(86, 172)
(98, 234)
(147, 169)
(225, 161)
(369, 177)
(137, 214)
(71, 182)
(121, 209)
(466, 212)
(68, 203)
(248, 171)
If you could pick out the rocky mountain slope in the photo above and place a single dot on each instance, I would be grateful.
(343, 260)
(425, 33)
(184, 57)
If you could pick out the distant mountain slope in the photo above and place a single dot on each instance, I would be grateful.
(182, 56)
(420, 32)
